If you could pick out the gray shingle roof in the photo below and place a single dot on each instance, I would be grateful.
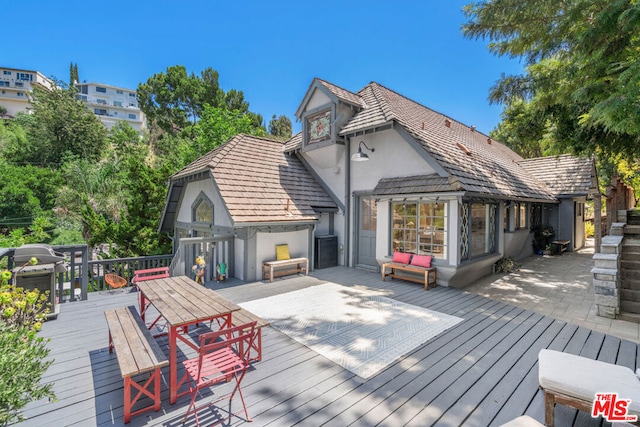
(295, 143)
(257, 181)
(414, 185)
(343, 94)
(467, 155)
(564, 174)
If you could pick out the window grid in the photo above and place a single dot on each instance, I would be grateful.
(420, 228)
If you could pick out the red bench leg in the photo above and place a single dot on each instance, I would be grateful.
(145, 389)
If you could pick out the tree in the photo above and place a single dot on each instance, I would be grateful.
(216, 127)
(27, 192)
(59, 127)
(73, 74)
(176, 100)
(280, 127)
(583, 67)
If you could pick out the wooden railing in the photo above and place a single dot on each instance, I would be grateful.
(88, 276)
(124, 267)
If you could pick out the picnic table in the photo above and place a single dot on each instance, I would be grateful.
(183, 302)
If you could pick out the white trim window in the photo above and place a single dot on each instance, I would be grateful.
(420, 228)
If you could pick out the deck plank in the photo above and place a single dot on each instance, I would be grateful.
(483, 371)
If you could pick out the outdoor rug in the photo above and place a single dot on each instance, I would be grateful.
(361, 331)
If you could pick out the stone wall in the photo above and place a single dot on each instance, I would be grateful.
(606, 272)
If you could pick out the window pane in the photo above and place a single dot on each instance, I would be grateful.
(479, 229)
(424, 228)
(204, 213)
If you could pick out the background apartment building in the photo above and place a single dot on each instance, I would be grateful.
(112, 104)
(16, 86)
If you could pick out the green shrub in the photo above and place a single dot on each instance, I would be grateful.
(589, 229)
(506, 265)
(22, 353)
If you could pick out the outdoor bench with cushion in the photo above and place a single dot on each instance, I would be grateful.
(137, 353)
(284, 265)
(574, 381)
(418, 266)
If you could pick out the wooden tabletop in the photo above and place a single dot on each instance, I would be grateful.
(182, 301)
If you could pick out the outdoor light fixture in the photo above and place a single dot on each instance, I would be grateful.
(360, 156)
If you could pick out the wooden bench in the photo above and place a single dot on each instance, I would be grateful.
(427, 275)
(137, 353)
(562, 245)
(271, 269)
(150, 274)
(242, 317)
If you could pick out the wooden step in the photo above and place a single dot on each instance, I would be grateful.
(630, 306)
(629, 317)
(630, 274)
(631, 284)
(630, 295)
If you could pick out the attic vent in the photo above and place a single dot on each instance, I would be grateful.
(489, 141)
(473, 128)
(464, 149)
(447, 123)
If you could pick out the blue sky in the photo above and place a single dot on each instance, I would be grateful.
(271, 50)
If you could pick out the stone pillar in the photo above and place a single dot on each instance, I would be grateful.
(606, 273)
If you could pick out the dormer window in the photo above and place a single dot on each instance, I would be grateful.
(319, 127)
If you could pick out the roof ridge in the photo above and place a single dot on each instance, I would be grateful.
(446, 116)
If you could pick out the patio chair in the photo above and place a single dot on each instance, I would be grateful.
(114, 281)
(577, 381)
(223, 355)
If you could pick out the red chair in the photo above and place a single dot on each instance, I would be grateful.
(223, 355)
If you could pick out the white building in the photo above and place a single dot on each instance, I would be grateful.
(16, 86)
(112, 104)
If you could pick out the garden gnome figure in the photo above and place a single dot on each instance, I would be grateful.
(198, 270)
(221, 271)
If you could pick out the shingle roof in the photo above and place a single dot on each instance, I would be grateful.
(564, 174)
(295, 143)
(414, 185)
(467, 155)
(343, 94)
(257, 181)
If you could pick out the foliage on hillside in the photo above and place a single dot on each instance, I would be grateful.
(68, 180)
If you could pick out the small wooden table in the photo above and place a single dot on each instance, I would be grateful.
(183, 302)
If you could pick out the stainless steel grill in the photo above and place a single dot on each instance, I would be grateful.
(41, 276)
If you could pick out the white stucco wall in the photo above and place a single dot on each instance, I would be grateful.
(238, 253)
(298, 242)
(393, 157)
(192, 191)
(316, 100)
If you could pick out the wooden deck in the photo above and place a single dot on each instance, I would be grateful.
(481, 372)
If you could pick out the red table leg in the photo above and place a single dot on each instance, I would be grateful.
(173, 369)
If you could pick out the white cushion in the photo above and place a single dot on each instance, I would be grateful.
(582, 378)
(523, 421)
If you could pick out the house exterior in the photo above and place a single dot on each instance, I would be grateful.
(112, 104)
(430, 185)
(16, 86)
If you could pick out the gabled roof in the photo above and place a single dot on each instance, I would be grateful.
(565, 174)
(259, 183)
(336, 93)
(294, 143)
(481, 165)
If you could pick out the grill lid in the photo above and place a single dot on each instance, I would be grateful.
(43, 253)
